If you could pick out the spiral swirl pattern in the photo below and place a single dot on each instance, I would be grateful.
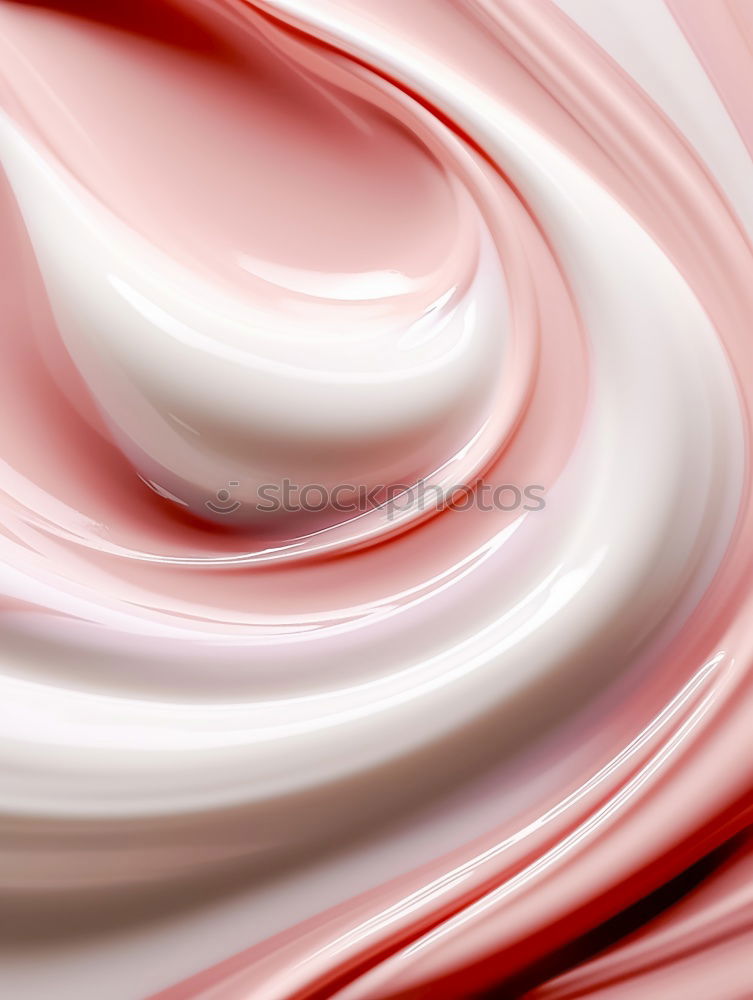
(458, 248)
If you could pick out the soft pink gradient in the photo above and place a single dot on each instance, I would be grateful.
(220, 133)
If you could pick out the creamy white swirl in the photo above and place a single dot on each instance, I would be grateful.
(449, 247)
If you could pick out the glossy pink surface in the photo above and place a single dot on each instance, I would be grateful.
(408, 752)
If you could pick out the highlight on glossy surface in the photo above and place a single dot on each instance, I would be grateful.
(457, 248)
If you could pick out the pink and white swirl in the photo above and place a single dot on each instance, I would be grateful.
(470, 249)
